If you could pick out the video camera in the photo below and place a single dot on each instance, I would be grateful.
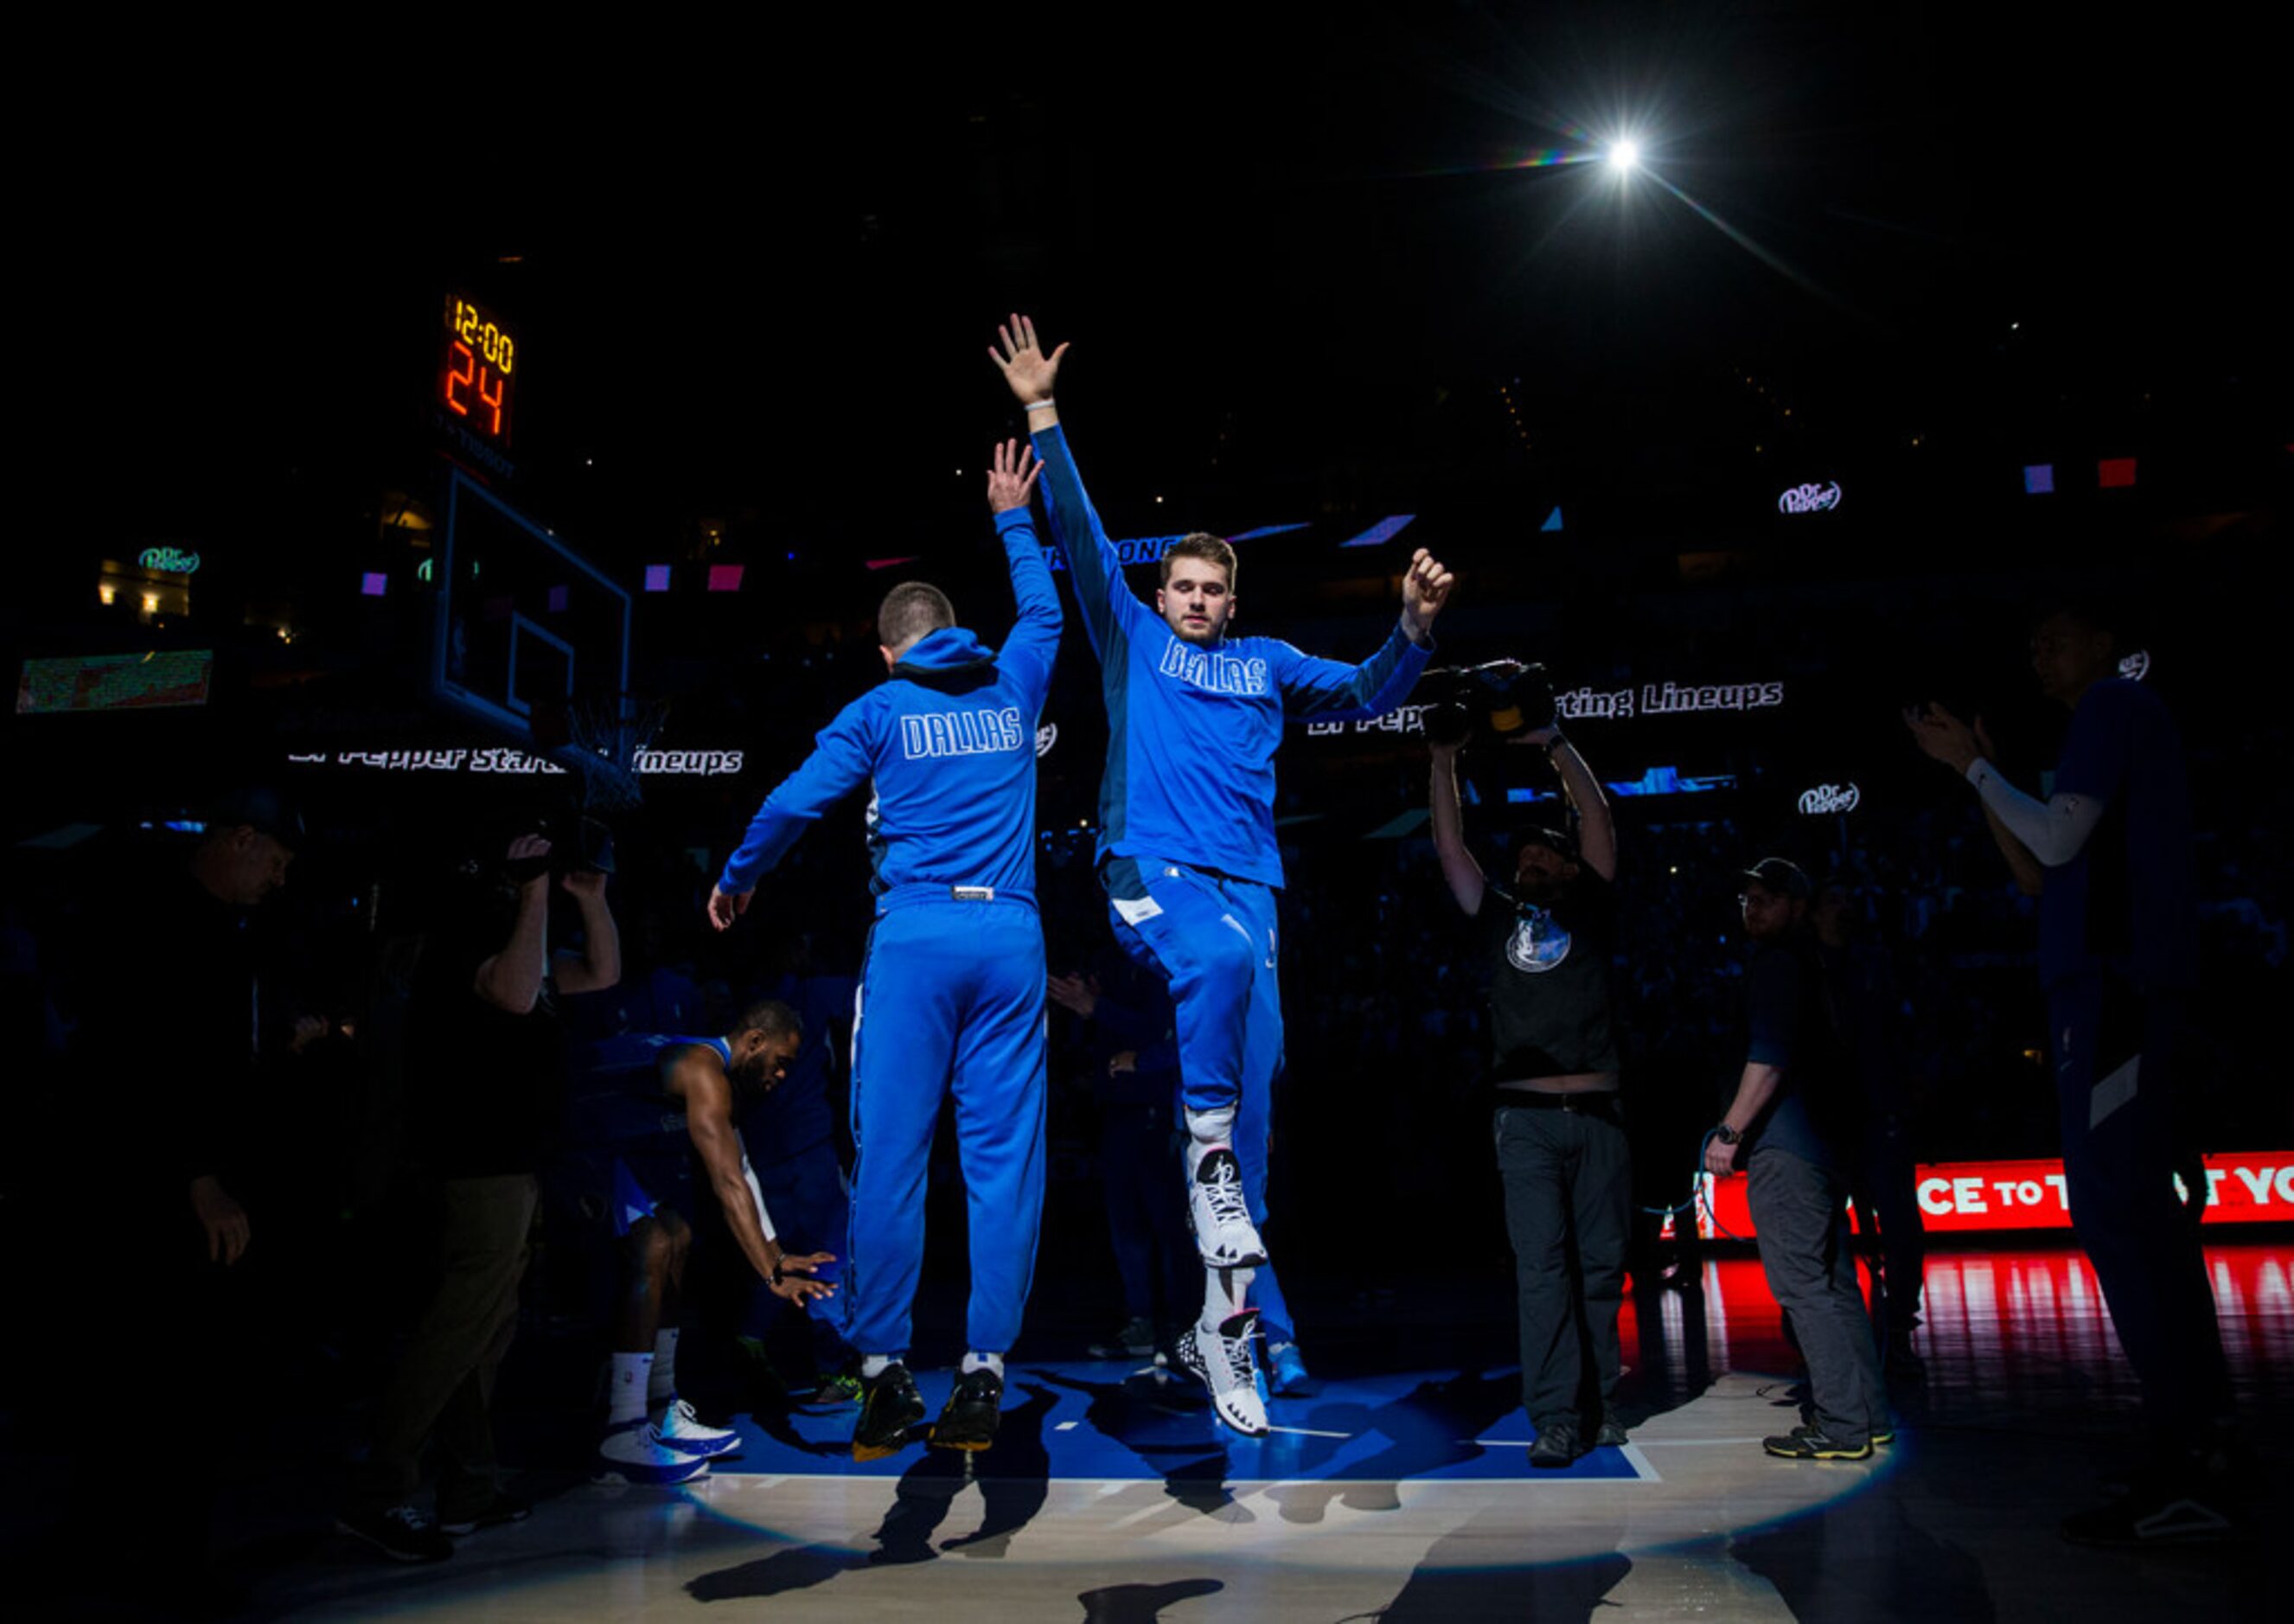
(1500, 698)
(578, 844)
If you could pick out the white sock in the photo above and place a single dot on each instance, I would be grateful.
(873, 1365)
(1225, 1291)
(661, 1386)
(627, 1400)
(1209, 1128)
(984, 1361)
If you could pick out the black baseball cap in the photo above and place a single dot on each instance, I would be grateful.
(1783, 876)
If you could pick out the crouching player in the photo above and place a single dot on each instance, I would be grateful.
(653, 1436)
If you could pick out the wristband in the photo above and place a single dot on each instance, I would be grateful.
(1556, 742)
(1039, 405)
(1727, 1135)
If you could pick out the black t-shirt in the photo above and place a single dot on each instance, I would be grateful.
(1550, 999)
(488, 1087)
(1817, 1112)
(186, 973)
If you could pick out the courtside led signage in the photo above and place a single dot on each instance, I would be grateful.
(2242, 1187)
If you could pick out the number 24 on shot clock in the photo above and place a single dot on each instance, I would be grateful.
(477, 363)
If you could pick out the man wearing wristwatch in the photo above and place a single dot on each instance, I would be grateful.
(1788, 1126)
(1561, 1148)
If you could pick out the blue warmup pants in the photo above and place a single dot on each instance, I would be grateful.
(1212, 940)
(2115, 1054)
(951, 999)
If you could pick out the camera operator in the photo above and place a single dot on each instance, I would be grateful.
(487, 1047)
(1561, 1146)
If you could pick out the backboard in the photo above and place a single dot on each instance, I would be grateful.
(520, 620)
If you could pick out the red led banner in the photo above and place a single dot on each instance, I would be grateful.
(2252, 1186)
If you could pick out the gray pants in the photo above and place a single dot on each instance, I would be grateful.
(443, 1389)
(1799, 1212)
(1568, 1199)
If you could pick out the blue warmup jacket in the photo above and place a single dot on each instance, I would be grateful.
(1191, 731)
(950, 741)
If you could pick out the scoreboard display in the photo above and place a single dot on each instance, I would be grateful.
(478, 369)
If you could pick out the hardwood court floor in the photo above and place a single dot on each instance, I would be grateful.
(1405, 1494)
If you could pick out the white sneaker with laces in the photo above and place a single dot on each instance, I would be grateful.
(680, 1427)
(635, 1453)
(1224, 1232)
(1221, 1360)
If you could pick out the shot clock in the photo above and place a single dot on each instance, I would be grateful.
(476, 371)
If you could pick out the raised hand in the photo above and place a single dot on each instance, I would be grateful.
(1425, 589)
(1943, 736)
(584, 884)
(1012, 479)
(1021, 360)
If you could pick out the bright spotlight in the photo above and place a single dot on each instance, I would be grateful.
(1626, 156)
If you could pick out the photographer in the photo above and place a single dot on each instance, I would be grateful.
(488, 1048)
(1560, 1139)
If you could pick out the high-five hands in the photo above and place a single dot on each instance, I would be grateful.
(1425, 589)
(1012, 479)
(1021, 360)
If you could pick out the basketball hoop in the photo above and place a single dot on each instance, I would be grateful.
(603, 737)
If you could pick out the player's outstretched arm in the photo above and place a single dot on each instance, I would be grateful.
(839, 765)
(1029, 370)
(708, 1123)
(1324, 690)
(1035, 640)
(1092, 560)
(1425, 589)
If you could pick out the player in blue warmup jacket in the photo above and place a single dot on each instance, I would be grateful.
(952, 989)
(1187, 850)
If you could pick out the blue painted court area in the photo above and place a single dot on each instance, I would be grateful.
(1099, 1421)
